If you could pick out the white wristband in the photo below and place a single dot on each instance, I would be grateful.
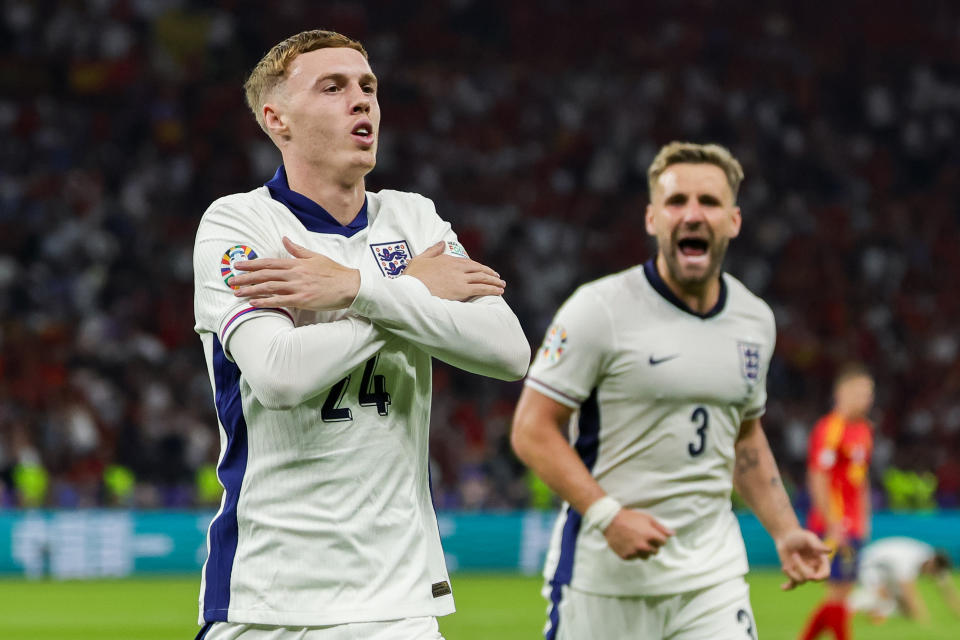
(601, 513)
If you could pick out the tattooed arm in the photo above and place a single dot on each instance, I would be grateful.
(757, 480)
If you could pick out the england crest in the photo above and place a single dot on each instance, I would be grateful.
(749, 361)
(392, 257)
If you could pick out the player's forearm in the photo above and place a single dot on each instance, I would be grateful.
(819, 485)
(913, 604)
(286, 366)
(537, 437)
(757, 480)
(949, 592)
(550, 456)
(482, 337)
(865, 504)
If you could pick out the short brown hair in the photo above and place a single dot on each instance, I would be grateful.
(690, 152)
(272, 68)
(849, 371)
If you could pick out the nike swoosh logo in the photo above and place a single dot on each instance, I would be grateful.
(655, 361)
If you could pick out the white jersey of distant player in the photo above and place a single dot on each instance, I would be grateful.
(661, 394)
(315, 527)
(890, 561)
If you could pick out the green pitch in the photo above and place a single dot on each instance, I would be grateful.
(500, 607)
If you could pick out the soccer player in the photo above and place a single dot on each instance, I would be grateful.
(662, 368)
(839, 482)
(320, 305)
(887, 580)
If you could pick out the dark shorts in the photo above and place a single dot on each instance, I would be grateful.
(846, 561)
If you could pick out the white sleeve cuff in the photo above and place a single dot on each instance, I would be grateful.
(233, 318)
(565, 399)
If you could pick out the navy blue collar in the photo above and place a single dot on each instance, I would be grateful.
(657, 282)
(314, 217)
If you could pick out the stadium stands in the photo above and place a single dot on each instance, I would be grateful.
(530, 128)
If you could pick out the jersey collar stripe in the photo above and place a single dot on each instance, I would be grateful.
(657, 282)
(314, 217)
(587, 446)
(248, 310)
(224, 530)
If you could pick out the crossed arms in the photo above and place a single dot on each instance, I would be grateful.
(427, 306)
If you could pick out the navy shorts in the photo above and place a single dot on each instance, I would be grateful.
(846, 561)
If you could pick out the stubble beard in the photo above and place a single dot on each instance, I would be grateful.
(696, 281)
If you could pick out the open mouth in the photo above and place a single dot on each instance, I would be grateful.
(363, 131)
(693, 247)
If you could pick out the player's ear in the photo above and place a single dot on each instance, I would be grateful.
(648, 218)
(275, 121)
(736, 220)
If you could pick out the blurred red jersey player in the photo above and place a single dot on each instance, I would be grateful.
(839, 481)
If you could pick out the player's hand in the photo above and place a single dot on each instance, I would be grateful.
(803, 557)
(307, 281)
(453, 278)
(636, 534)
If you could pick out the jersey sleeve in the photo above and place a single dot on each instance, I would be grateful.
(570, 362)
(227, 235)
(286, 366)
(481, 336)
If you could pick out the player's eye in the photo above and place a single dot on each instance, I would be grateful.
(676, 200)
(369, 89)
(709, 201)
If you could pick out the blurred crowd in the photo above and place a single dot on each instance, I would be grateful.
(531, 126)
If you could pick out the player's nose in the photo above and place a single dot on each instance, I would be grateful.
(360, 102)
(693, 214)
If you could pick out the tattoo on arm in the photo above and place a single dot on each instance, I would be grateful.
(748, 458)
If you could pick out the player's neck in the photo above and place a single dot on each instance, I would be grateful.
(341, 198)
(699, 297)
(848, 415)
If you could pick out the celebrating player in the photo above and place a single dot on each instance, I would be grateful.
(838, 477)
(664, 367)
(319, 305)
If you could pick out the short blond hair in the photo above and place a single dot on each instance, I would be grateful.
(690, 152)
(272, 68)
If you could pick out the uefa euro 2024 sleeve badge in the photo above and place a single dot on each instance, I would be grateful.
(554, 343)
(233, 255)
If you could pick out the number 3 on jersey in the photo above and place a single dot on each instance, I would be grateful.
(701, 418)
(369, 397)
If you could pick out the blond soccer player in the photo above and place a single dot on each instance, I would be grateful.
(642, 411)
(320, 305)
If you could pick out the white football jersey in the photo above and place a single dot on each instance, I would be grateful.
(660, 394)
(327, 515)
(894, 560)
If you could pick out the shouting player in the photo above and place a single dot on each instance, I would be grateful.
(663, 367)
(320, 305)
(839, 481)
